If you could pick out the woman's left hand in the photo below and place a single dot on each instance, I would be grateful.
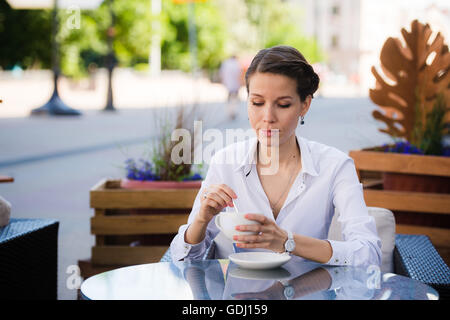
(270, 235)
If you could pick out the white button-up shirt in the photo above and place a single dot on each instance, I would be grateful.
(327, 181)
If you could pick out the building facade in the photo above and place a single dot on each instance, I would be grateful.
(352, 32)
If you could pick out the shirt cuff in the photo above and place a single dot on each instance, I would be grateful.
(191, 250)
(339, 256)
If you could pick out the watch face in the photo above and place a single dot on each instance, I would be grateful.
(290, 245)
(289, 292)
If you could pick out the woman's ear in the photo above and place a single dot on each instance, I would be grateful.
(305, 106)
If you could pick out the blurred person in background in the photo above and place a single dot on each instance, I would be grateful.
(230, 76)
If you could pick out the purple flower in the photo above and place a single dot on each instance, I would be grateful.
(446, 151)
(194, 177)
(402, 147)
(143, 170)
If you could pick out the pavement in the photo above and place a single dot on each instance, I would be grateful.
(55, 161)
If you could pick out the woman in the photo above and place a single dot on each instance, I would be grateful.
(296, 203)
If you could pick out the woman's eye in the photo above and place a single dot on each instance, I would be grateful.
(258, 104)
(285, 105)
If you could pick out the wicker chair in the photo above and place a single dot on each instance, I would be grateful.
(414, 257)
(28, 259)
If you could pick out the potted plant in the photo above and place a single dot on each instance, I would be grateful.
(157, 170)
(136, 217)
(413, 99)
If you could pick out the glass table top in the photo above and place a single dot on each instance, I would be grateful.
(223, 280)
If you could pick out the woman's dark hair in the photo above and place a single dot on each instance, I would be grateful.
(289, 62)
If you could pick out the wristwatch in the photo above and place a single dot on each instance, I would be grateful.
(289, 245)
(289, 291)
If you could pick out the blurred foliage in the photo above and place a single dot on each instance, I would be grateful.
(88, 44)
(211, 35)
(277, 23)
(222, 27)
(24, 37)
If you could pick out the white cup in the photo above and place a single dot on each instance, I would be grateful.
(227, 222)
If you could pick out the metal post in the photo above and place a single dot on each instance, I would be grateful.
(155, 50)
(111, 60)
(55, 106)
(192, 37)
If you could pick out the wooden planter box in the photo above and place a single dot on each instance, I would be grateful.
(415, 212)
(149, 219)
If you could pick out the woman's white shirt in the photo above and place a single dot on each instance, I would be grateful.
(327, 180)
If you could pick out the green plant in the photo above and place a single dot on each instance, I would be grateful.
(429, 139)
(158, 163)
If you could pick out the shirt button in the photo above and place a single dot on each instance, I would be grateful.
(337, 260)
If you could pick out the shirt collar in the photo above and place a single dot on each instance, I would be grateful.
(306, 157)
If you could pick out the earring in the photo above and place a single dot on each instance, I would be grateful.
(302, 122)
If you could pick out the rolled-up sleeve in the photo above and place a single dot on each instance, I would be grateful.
(179, 248)
(361, 244)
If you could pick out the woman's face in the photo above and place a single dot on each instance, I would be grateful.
(274, 105)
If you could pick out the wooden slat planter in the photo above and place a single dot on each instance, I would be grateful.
(401, 163)
(123, 216)
(415, 212)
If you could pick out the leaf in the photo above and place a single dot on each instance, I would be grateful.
(411, 83)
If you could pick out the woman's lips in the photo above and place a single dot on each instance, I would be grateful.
(269, 132)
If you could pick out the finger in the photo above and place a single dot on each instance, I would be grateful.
(253, 245)
(254, 228)
(213, 204)
(214, 196)
(216, 189)
(254, 238)
(228, 191)
(224, 196)
(258, 217)
(249, 238)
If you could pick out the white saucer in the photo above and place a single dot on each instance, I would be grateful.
(259, 260)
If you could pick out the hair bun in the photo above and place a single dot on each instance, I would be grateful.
(287, 61)
(308, 80)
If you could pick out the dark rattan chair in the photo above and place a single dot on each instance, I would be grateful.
(414, 257)
(28, 259)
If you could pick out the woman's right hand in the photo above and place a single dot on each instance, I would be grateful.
(213, 200)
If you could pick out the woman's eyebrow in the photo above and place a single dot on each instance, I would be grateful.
(279, 98)
(284, 97)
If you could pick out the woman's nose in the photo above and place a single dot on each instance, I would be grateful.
(269, 114)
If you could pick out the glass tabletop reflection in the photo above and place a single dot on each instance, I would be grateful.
(223, 280)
